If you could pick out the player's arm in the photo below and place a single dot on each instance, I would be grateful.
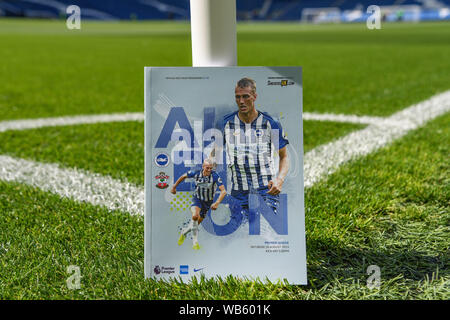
(222, 195)
(284, 163)
(276, 185)
(180, 180)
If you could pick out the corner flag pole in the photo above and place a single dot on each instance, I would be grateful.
(213, 33)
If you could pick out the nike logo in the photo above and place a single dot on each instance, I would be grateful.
(196, 270)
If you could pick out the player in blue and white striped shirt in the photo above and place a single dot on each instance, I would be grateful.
(206, 181)
(251, 137)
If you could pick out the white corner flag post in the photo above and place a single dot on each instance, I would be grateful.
(213, 36)
(213, 33)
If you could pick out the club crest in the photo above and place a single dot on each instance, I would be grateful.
(162, 180)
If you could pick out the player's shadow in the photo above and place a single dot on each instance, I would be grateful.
(327, 263)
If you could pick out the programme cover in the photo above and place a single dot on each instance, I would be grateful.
(224, 173)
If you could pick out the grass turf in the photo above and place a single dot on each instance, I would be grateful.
(362, 215)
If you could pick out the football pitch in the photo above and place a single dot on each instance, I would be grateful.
(376, 141)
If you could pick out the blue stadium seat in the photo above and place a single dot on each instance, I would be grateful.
(179, 9)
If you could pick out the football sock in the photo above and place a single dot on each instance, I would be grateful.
(195, 232)
(188, 229)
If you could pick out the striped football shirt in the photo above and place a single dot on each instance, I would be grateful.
(249, 148)
(205, 186)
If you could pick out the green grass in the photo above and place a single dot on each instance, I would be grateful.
(362, 215)
(347, 69)
(389, 209)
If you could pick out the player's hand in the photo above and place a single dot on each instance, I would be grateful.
(214, 206)
(173, 190)
(275, 186)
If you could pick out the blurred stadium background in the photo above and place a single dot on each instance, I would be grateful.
(314, 11)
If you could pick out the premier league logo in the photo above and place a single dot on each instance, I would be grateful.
(157, 270)
(162, 159)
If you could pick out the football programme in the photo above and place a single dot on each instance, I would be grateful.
(239, 127)
(373, 157)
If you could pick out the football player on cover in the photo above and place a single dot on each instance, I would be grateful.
(206, 181)
(251, 137)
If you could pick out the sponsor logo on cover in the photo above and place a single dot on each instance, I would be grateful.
(184, 269)
(199, 269)
(283, 83)
(162, 159)
(157, 270)
(162, 180)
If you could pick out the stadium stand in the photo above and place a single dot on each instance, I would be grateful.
(277, 10)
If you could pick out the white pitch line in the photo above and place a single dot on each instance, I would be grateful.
(27, 124)
(69, 120)
(342, 118)
(327, 158)
(318, 163)
(75, 184)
